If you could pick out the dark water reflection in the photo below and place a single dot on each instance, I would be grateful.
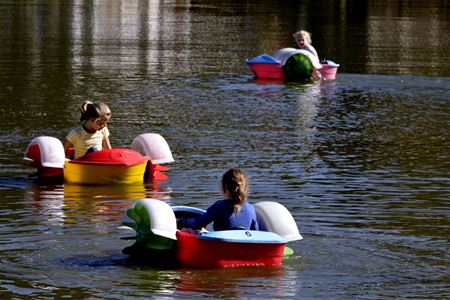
(362, 162)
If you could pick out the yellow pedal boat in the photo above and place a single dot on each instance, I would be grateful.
(112, 166)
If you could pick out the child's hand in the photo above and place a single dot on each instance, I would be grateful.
(203, 230)
(189, 230)
(179, 223)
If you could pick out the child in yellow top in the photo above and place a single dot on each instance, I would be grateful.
(92, 134)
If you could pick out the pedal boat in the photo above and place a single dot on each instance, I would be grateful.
(291, 64)
(112, 166)
(155, 225)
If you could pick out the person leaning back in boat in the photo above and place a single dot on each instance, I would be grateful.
(303, 41)
(92, 135)
(234, 212)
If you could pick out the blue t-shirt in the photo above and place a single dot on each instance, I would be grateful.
(224, 217)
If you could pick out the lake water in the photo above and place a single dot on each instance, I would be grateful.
(361, 162)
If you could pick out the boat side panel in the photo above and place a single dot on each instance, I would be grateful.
(195, 252)
(103, 174)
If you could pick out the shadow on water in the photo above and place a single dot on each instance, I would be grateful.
(17, 182)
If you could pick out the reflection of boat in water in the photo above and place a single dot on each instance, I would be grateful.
(76, 192)
(47, 202)
(219, 282)
(107, 201)
(291, 64)
(112, 166)
(57, 204)
(155, 225)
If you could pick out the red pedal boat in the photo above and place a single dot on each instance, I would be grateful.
(154, 222)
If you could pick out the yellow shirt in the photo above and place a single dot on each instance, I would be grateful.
(83, 140)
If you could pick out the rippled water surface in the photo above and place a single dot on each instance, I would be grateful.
(361, 162)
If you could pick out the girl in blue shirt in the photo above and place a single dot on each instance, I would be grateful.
(234, 212)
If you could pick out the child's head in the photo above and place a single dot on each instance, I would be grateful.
(97, 112)
(302, 38)
(235, 187)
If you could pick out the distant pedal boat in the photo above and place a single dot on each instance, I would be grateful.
(291, 64)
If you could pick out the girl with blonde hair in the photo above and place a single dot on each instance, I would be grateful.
(303, 41)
